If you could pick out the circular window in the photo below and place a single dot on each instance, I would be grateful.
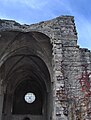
(29, 97)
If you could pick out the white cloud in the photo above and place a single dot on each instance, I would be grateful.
(34, 4)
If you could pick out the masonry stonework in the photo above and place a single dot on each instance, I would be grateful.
(69, 67)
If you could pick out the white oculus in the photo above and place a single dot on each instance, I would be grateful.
(29, 97)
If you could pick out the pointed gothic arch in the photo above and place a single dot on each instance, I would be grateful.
(27, 65)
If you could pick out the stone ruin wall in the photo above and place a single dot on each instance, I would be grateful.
(69, 61)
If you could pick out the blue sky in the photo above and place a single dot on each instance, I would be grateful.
(32, 11)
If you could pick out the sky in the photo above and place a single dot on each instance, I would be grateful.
(33, 11)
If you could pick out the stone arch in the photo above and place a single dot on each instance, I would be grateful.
(27, 60)
(40, 42)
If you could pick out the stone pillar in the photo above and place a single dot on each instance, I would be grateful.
(59, 87)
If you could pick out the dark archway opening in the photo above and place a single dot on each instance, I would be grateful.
(21, 106)
(27, 69)
(27, 76)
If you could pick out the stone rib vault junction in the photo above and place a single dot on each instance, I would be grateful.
(44, 74)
